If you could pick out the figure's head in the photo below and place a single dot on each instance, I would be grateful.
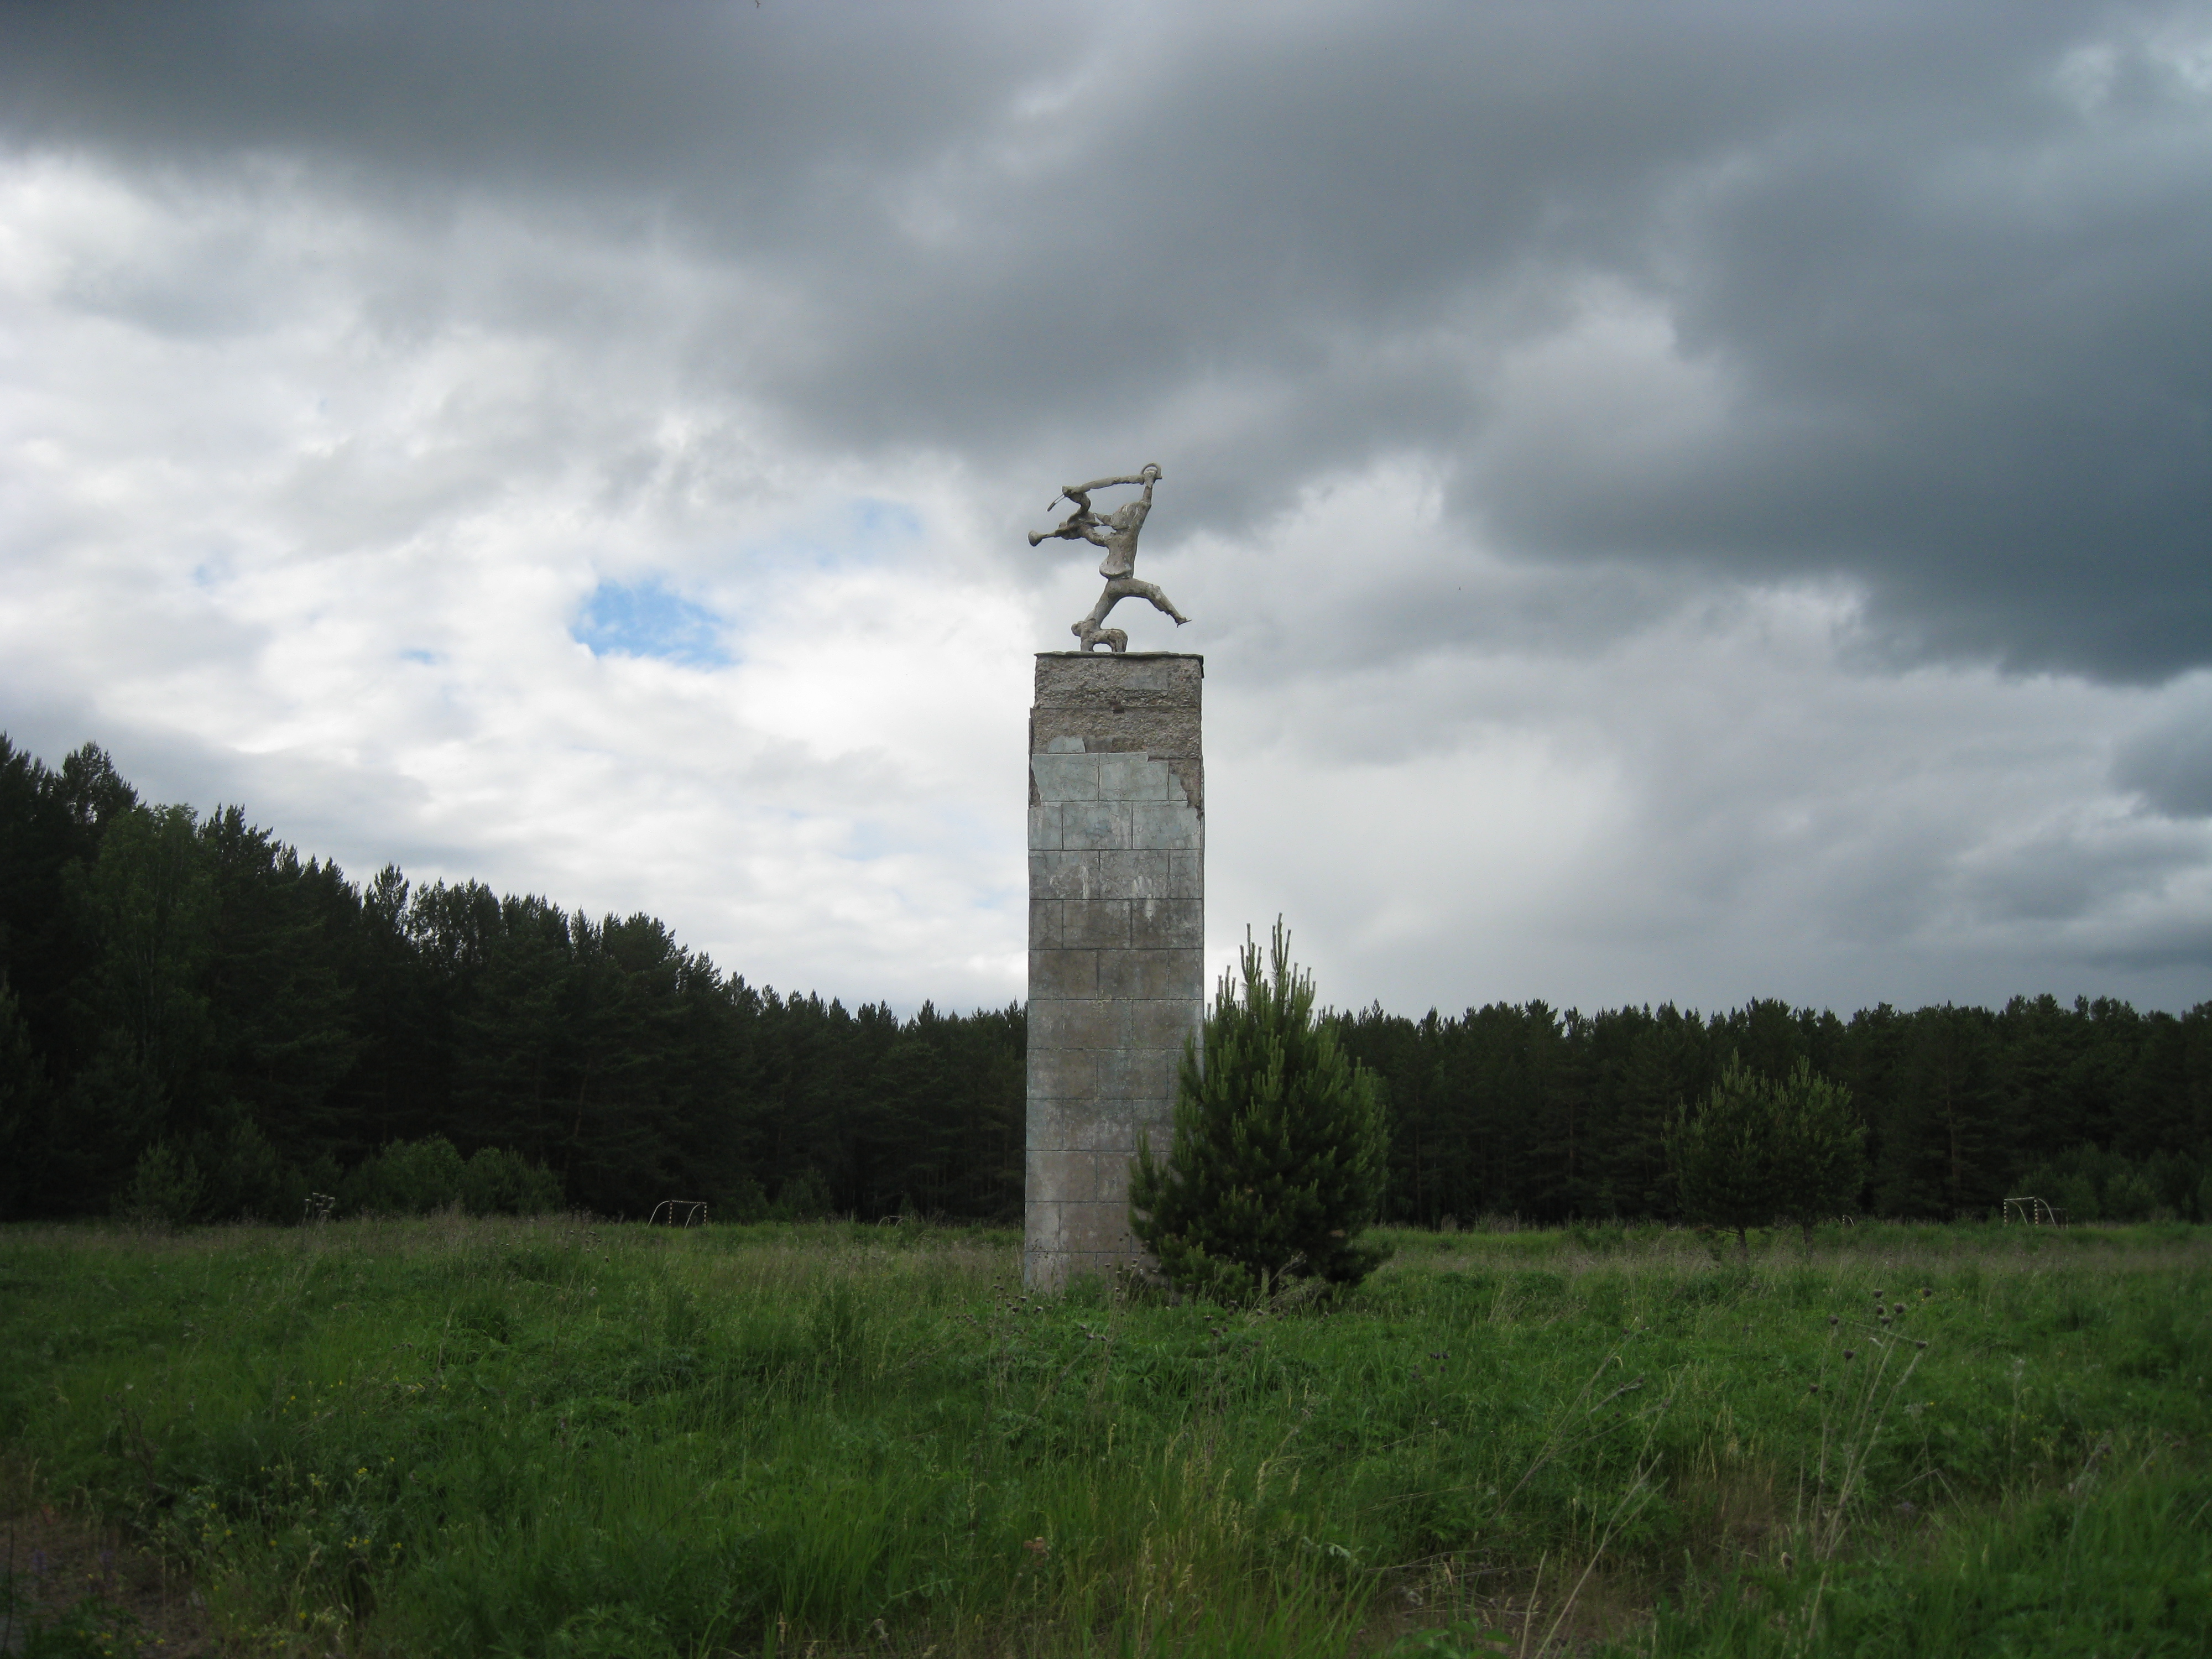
(1150, 472)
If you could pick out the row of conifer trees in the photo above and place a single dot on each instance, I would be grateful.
(196, 1020)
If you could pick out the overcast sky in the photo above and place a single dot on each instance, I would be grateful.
(1679, 502)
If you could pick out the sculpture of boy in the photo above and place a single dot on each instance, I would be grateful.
(1117, 534)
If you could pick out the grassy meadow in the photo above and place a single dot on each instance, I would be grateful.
(460, 1436)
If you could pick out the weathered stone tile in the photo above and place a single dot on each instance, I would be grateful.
(1101, 1229)
(1040, 1225)
(1063, 1074)
(1065, 777)
(1099, 826)
(1092, 1024)
(1103, 874)
(1132, 777)
(1161, 1026)
(1139, 1075)
(1165, 826)
(1044, 826)
(1079, 1123)
(1139, 875)
(1095, 922)
(1044, 924)
(1107, 1128)
(1186, 875)
(1059, 975)
(1060, 875)
(1165, 923)
(1070, 1175)
(1112, 1180)
(1153, 974)
(1155, 879)
(1045, 1121)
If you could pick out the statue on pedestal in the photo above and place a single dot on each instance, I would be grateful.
(1117, 533)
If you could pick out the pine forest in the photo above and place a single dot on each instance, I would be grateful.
(197, 1021)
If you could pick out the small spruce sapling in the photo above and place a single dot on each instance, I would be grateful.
(1278, 1154)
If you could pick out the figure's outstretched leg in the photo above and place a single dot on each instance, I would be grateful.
(1128, 587)
(1160, 601)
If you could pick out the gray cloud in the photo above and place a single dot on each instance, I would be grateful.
(2170, 766)
(1943, 278)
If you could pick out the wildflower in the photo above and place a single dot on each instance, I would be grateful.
(1037, 1546)
(1850, 1353)
(1899, 1307)
(1815, 1388)
(1833, 1320)
(1922, 1343)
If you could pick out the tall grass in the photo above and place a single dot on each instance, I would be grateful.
(491, 1437)
(2123, 1570)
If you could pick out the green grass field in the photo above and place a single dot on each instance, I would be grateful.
(459, 1436)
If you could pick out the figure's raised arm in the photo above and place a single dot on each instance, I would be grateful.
(1146, 476)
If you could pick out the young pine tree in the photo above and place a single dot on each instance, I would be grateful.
(1278, 1153)
(1759, 1151)
(1725, 1157)
(1819, 1148)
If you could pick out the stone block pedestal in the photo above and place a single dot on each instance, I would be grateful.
(1117, 939)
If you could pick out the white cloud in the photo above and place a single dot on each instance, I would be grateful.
(304, 490)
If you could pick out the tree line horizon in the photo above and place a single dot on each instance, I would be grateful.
(188, 1007)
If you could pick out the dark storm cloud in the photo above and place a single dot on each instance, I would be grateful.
(1940, 278)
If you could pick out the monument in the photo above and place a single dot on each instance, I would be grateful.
(1117, 534)
(1118, 906)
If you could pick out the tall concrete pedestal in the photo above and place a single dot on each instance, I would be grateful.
(1117, 938)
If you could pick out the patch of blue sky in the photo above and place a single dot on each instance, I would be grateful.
(430, 657)
(648, 619)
